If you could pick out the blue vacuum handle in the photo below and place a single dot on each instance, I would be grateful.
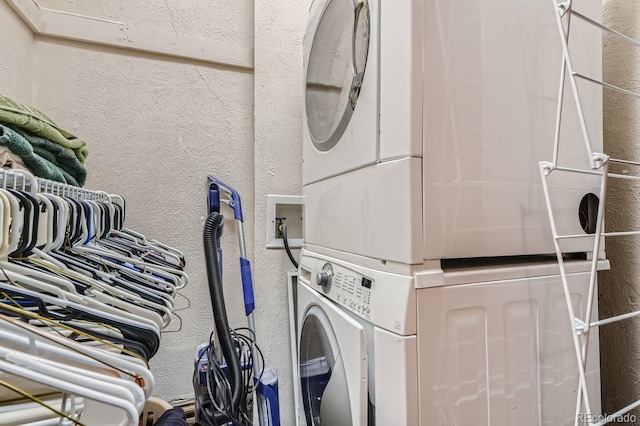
(214, 197)
(247, 285)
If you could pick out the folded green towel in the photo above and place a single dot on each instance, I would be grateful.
(36, 164)
(57, 155)
(36, 123)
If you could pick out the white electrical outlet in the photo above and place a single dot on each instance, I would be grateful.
(290, 209)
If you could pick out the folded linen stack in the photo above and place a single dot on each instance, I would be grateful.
(36, 143)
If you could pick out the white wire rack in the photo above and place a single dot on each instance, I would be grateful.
(19, 180)
(601, 166)
(24, 181)
(65, 190)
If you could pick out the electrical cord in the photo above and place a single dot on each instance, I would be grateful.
(218, 387)
(283, 228)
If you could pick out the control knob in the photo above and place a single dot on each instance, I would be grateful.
(323, 279)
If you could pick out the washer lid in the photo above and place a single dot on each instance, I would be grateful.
(335, 70)
(325, 389)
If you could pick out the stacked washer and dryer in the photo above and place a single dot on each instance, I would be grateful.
(429, 291)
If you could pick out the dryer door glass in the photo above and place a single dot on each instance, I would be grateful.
(325, 394)
(335, 70)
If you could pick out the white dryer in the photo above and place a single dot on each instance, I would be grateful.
(425, 120)
(486, 345)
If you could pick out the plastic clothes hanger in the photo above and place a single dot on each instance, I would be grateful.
(150, 291)
(35, 221)
(99, 301)
(39, 410)
(172, 256)
(11, 271)
(105, 297)
(5, 218)
(70, 387)
(141, 259)
(87, 336)
(11, 238)
(104, 383)
(16, 220)
(52, 345)
(42, 411)
(137, 335)
(24, 213)
(82, 312)
(70, 297)
(129, 257)
(101, 295)
(110, 284)
(45, 241)
(62, 208)
(125, 271)
(158, 278)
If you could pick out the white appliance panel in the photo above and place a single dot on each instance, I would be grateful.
(396, 378)
(375, 211)
(508, 216)
(501, 353)
(401, 79)
(491, 78)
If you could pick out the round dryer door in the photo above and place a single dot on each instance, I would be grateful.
(335, 70)
(325, 394)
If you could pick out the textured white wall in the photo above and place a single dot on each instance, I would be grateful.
(279, 30)
(155, 129)
(619, 287)
(225, 21)
(16, 60)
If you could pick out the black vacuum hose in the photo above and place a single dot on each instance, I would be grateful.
(213, 222)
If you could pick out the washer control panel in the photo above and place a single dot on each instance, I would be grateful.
(385, 299)
(348, 288)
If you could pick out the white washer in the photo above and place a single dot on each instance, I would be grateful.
(487, 345)
(425, 120)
